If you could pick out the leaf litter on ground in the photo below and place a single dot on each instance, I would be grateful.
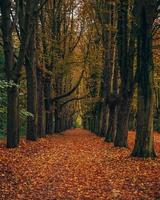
(77, 165)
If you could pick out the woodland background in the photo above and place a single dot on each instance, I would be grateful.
(76, 63)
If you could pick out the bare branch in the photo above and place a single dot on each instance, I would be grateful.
(73, 99)
(71, 91)
(41, 6)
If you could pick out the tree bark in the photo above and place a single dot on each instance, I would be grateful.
(112, 124)
(13, 117)
(144, 144)
(12, 93)
(31, 76)
(104, 125)
(48, 105)
(40, 101)
(12, 67)
(126, 52)
(122, 123)
(31, 103)
(144, 137)
(57, 117)
(158, 110)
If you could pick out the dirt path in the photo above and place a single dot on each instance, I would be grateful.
(76, 165)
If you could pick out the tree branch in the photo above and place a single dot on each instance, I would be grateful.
(71, 91)
(73, 99)
(41, 6)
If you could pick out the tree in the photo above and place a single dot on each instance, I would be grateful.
(13, 67)
(144, 139)
(126, 41)
(105, 13)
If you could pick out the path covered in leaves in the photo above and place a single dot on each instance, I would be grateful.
(76, 165)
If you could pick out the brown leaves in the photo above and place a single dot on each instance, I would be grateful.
(76, 165)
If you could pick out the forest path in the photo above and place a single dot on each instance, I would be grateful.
(76, 165)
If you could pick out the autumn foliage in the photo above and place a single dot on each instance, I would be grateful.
(87, 64)
(77, 165)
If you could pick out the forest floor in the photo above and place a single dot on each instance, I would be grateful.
(77, 165)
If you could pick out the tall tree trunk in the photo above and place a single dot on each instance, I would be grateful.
(40, 102)
(158, 110)
(122, 123)
(126, 75)
(13, 68)
(13, 117)
(106, 85)
(113, 102)
(112, 124)
(12, 93)
(31, 76)
(104, 124)
(48, 105)
(105, 20)
(99, 118)
(57, 117)
(144, 138)
(31, 103)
